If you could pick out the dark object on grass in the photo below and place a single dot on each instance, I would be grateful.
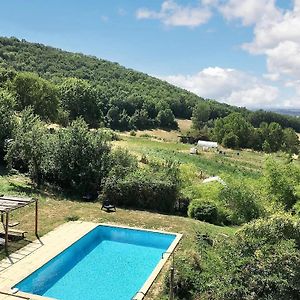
(108, 206)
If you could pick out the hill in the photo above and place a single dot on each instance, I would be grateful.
(119, 98)
(115, 80)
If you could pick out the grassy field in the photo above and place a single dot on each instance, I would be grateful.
(55, 210)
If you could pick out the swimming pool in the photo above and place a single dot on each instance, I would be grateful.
(107, 263)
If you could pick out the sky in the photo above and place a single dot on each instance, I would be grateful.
(242, 52)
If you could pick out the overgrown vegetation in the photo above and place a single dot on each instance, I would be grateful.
(80, 157)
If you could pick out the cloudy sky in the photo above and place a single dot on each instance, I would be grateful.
(243, 52)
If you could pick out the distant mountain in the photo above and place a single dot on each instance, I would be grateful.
(289, 112)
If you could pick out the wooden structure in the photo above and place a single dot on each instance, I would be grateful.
(9, 204)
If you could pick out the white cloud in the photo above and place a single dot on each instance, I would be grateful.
(229, 85)
(250, 11)
(173, 14)
(276, 35)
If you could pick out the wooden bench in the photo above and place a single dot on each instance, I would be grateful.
(14, 232)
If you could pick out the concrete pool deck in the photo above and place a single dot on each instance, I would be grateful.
(28, 259)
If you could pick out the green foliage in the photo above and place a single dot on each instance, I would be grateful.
(291, 142)
(281, 181)
(74, 158)
(137, 97)
(234, 131)
(234, 124)
(166, 119)
(122, 163)
(40, 94)
(155, 188)
(260, 262)
(80, 99)
(204, 210)
(201, 114)
(230, 140)
(7, 103)
(241, 202)
(80, 158)
(28, 146)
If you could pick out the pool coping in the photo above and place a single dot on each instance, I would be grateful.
(25, 267)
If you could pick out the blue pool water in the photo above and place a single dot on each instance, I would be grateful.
(106, 264)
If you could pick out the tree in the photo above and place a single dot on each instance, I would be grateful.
(7, 103)
(80, 99)
(281, 181)
(166, 119)
(40, 94)
(230, 140)
(291, 141)
(201, 114)
(275, 137)
(28, 145)
(234, 124)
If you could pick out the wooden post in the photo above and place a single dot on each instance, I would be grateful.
(6, 231)
(171, 292)
(36, 218)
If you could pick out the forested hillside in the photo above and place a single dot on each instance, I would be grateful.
(129, 99)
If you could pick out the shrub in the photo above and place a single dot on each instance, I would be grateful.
(230, 140)
(241, 202)
(81, 158)
(281, 181)
(204, 210)
(260, 262)
(7, 103)
(132, 133)
(28, 148)
(187, 276)
(146, 189)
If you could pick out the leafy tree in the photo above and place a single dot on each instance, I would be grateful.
(140, 119)
(266, 147)
(234, 124)
(7, 103)
(40, 94)
(201, 114)
(281, 181)
(166, 119)
(230, 140)
(275, 136)
(28, 145)
(291, 141)
(81, 158)
(80, 99)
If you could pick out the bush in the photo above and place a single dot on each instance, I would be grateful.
(241, 203)
(81, 158)
(260, 262)
(154, 189)
(203, 210)
(187, 276)
(7, 103)
(230, 140)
